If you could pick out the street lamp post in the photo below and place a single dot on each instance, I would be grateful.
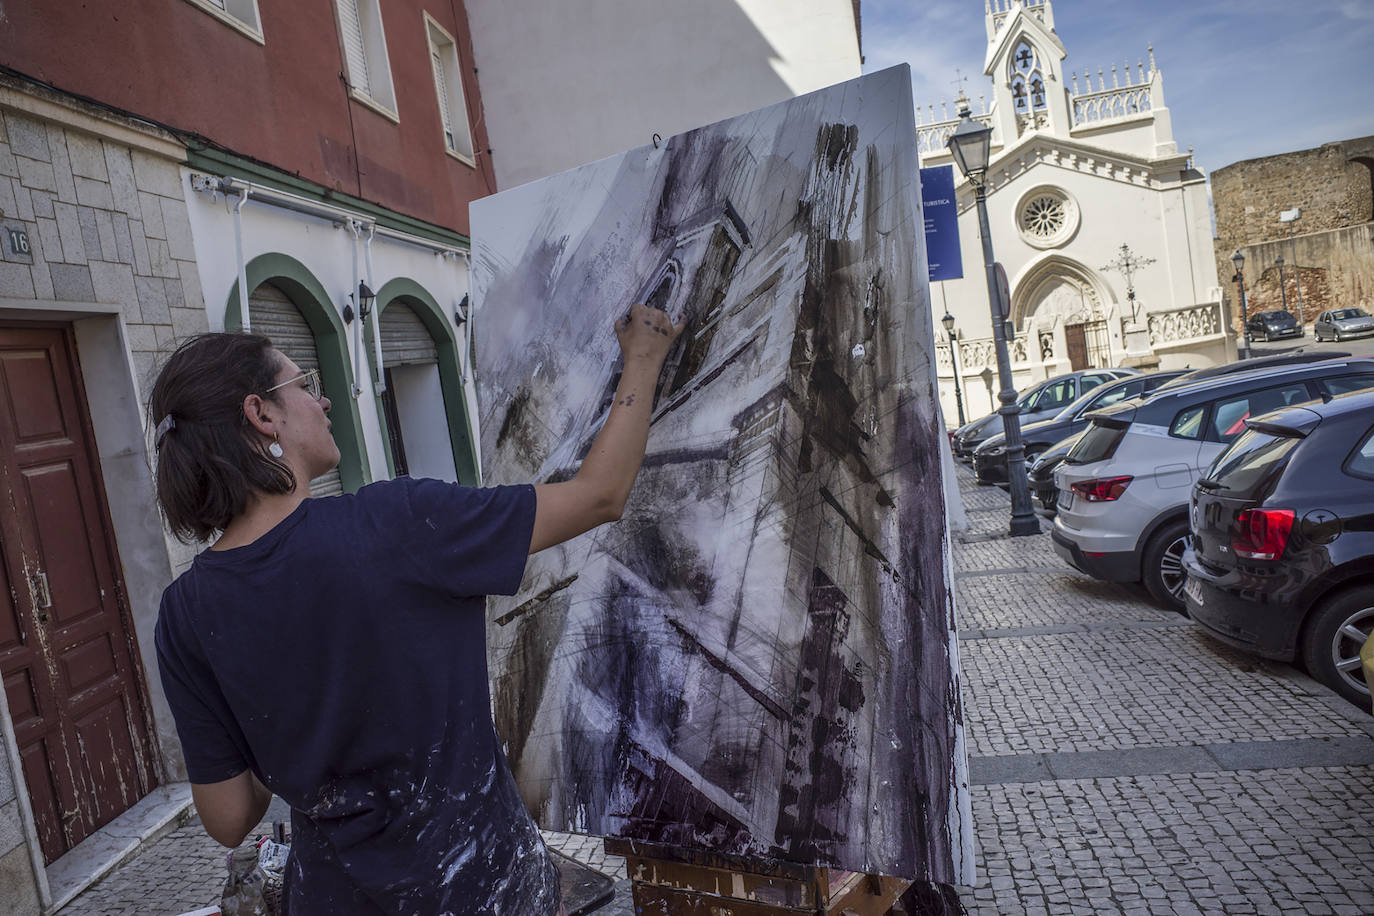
(1290, 217)
(948, 322)
(1283, 285)
(971, 146)
(1238, 259)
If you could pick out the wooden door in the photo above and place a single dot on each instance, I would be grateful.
(1076, 338)
(70, 663)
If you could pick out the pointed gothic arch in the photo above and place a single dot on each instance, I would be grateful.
(1054, 285)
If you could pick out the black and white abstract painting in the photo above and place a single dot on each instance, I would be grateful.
(759, 657)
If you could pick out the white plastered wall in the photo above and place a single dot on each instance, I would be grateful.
(326, 249)
(567, 84)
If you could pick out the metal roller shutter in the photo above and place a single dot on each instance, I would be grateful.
(277, 317)
(405, 339)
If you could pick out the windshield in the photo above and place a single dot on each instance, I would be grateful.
(1279, 316)
(1349, 313)
(1026, 400)
(1104, 396)
(1099, 441)
(1253, 461)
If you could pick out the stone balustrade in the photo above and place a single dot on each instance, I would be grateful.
(981, 353)
(1185, 325)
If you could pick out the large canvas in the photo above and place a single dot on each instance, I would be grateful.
(758, 658)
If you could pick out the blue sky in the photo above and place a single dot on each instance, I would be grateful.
(1242, 78)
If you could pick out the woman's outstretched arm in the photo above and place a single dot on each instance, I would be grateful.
(598, 492)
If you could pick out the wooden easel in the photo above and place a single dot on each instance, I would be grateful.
(668, 881)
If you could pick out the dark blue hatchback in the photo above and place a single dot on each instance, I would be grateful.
(1282, 554)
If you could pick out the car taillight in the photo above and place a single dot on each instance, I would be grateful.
(1101, 489)
(1261, 534)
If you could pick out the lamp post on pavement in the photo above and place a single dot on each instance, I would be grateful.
(1238, 259)
(948, 322)
(1283, 285)
(1290, 217)
(971, 147)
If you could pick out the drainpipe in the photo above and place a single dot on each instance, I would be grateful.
(244, 320)
(379, 378)
(353, 227)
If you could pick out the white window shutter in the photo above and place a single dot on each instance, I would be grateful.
(355, 49)
(441, 90)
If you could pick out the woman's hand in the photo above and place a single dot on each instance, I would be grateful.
(646, 335)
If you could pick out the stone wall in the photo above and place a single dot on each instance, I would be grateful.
(1331, 245)
(107, 234)
(106, 223)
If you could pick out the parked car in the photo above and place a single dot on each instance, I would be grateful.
(1039, 402)
(1273, 325)
(990, 458)
(1044, 494)
(1339, 324)
(1124, 488)
(1282, 557)
(1299, 355)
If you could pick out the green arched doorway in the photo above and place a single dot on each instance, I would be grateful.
(307, 294)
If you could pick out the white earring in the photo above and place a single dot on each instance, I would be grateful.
(275, 448)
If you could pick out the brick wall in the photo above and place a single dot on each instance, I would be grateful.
(1332, 245)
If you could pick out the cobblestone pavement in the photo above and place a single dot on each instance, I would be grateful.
(1121, 762)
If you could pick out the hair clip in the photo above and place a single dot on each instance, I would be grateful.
(168, 423)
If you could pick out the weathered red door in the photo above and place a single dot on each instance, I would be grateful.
(71, 669)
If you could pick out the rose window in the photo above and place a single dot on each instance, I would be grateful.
(1044, 217)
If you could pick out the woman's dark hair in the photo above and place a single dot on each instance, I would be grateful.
(209, 459)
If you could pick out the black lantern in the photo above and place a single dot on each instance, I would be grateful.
(971, 146)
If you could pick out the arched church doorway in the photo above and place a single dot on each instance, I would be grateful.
(1062, 292)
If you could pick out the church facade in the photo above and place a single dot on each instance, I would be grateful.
(1102, 226)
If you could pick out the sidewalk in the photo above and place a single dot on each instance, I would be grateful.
(1124, 763)
(1121, 762)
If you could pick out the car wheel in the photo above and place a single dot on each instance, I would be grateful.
(1331, 646)
(1161, 568)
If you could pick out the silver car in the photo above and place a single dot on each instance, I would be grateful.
(1340, 324)
(1124, 487)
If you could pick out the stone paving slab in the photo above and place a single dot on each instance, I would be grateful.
(972, 553)
(1129, 688)
(1261, 842)
(1122, 762)
(1047, 599)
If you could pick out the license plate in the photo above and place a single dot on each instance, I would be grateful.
(1193, 590)
(1066, 499)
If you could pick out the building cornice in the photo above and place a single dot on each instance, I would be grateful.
(1042, 149)
(48, 104)
(222, 162)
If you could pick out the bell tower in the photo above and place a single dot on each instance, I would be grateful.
(1025, 60)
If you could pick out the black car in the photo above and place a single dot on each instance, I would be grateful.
(1041, 475)
(990, 458)
(969, 436)
(1273, 325)
(1291, 358)
(1039, 402)
(1282, 557)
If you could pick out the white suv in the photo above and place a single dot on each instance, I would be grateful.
(1124, 488)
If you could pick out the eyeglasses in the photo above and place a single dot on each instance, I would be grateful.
(312, 384)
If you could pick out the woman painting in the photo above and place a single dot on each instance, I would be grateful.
(332, 651)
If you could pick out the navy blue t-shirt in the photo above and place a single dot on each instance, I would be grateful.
(342, 658)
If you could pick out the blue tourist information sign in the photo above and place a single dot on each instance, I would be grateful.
(942, 223)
